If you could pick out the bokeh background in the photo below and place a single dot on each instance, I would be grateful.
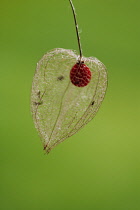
(99, 167)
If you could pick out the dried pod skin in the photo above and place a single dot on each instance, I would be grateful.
(60, 108)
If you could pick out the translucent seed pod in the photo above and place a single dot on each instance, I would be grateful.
(60, 108)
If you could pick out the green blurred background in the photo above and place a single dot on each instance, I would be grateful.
(99, 167)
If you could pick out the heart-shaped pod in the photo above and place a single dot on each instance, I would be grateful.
(60, 108)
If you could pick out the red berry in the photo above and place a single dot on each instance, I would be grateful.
(80, 74)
